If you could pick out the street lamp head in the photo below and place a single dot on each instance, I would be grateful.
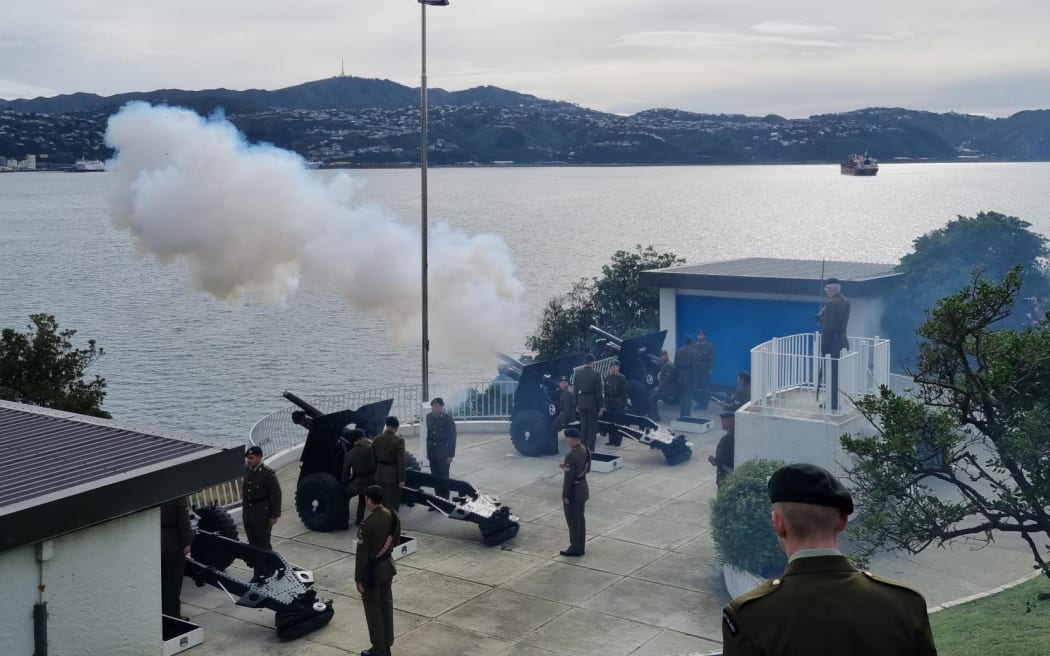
(434, 3)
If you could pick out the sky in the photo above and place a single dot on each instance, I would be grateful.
(790, 57)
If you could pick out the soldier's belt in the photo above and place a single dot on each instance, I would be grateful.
(257, 500)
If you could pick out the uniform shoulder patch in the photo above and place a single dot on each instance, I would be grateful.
(885, 580)
(762, 590)
(729, 619)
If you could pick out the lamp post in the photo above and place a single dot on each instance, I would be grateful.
(423, 184)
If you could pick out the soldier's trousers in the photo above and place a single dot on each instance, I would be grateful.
(391, 495)
(258, 535)
(588, 427)
(437, 455)
(379, 614)
(172, 571)
(577, 525)
(685, 400)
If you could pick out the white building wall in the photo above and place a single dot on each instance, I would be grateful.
(102, 588)
(18, 580)
(769, 436)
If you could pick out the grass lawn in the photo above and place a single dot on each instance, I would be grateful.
(1014, 622)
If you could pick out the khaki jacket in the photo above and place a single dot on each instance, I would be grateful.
(374, 536)
(389, 452)
(574, 483)
(261, 494)
(358, 468)
(588, 386)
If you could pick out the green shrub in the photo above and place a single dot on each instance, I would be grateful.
(740, 520)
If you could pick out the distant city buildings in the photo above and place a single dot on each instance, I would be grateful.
(13, 164)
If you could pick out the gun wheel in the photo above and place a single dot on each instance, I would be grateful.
(532, 435)
(214, 520)
(321, 502)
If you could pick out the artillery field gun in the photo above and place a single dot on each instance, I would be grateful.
(532, 418)
(321, 501)
(287, 590)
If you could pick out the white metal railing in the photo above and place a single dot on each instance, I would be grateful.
(784, 368)
(490, 400)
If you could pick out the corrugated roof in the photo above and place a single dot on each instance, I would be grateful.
(62, 472)
(44, 454)
(765, 275)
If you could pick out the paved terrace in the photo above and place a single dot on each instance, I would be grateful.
(649, 585)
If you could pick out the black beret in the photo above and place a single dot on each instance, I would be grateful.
(615, 362)
(254, 450)
(565, 378)
(588, 357)
(438, 401)
(572, 432)
(803, 483)
(832, 281)
(352, 434)
(392, 422)
(727, 415)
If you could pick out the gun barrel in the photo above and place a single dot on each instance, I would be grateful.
(510, 370)
(614, 341)
(517, 364)
(306, 407)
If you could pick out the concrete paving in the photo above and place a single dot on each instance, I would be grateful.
(649, 585)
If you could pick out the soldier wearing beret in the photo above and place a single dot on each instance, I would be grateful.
(616, 398)
(566, 405)
(176, 537)
(589, 398)
(358, 468)
(374, 570)
(574, 492)
(822, 604)
(723, 458)
(261, 501)
(441, 442)
(833, 319)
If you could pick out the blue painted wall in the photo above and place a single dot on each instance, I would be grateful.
(735, 326)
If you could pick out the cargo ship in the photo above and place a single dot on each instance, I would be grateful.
(859, 165)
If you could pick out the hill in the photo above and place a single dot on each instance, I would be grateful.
(364, 122)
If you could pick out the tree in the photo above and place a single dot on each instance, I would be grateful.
(941, 262)
(41, 367)
(979, 428)
(616, 302)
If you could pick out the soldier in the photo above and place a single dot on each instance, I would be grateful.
(389, 450)
(615, 398)
(261, 506)
(822, 604)
(566, 405)
(588, 385)
(833, 319)
(723, 458)
(374, 570)
(358, 468)
(683, 366)
(665, 386)
(574, 492)
(741, 395)
(175, 539)
(703, 365)
(441, 443)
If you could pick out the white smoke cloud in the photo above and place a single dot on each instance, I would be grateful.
(251, 221)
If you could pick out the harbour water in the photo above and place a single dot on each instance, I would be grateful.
(178, 359)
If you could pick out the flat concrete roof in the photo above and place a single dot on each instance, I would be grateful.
(766, 275)
(60, 471)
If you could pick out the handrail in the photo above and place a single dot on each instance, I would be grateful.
(783, 368)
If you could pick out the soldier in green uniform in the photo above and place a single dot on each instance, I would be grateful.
(374, 570)
(741, 395)
(723, 458)
(441, 442)
(574, 492)
(615, 397)
(175, 539)
(822, 605)
(566, 405)
(588, 385)
(261, 501)
(665, 385)
(684, 358)
(703, 365)
(358, 468)
(833, 320)
(389, 450)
